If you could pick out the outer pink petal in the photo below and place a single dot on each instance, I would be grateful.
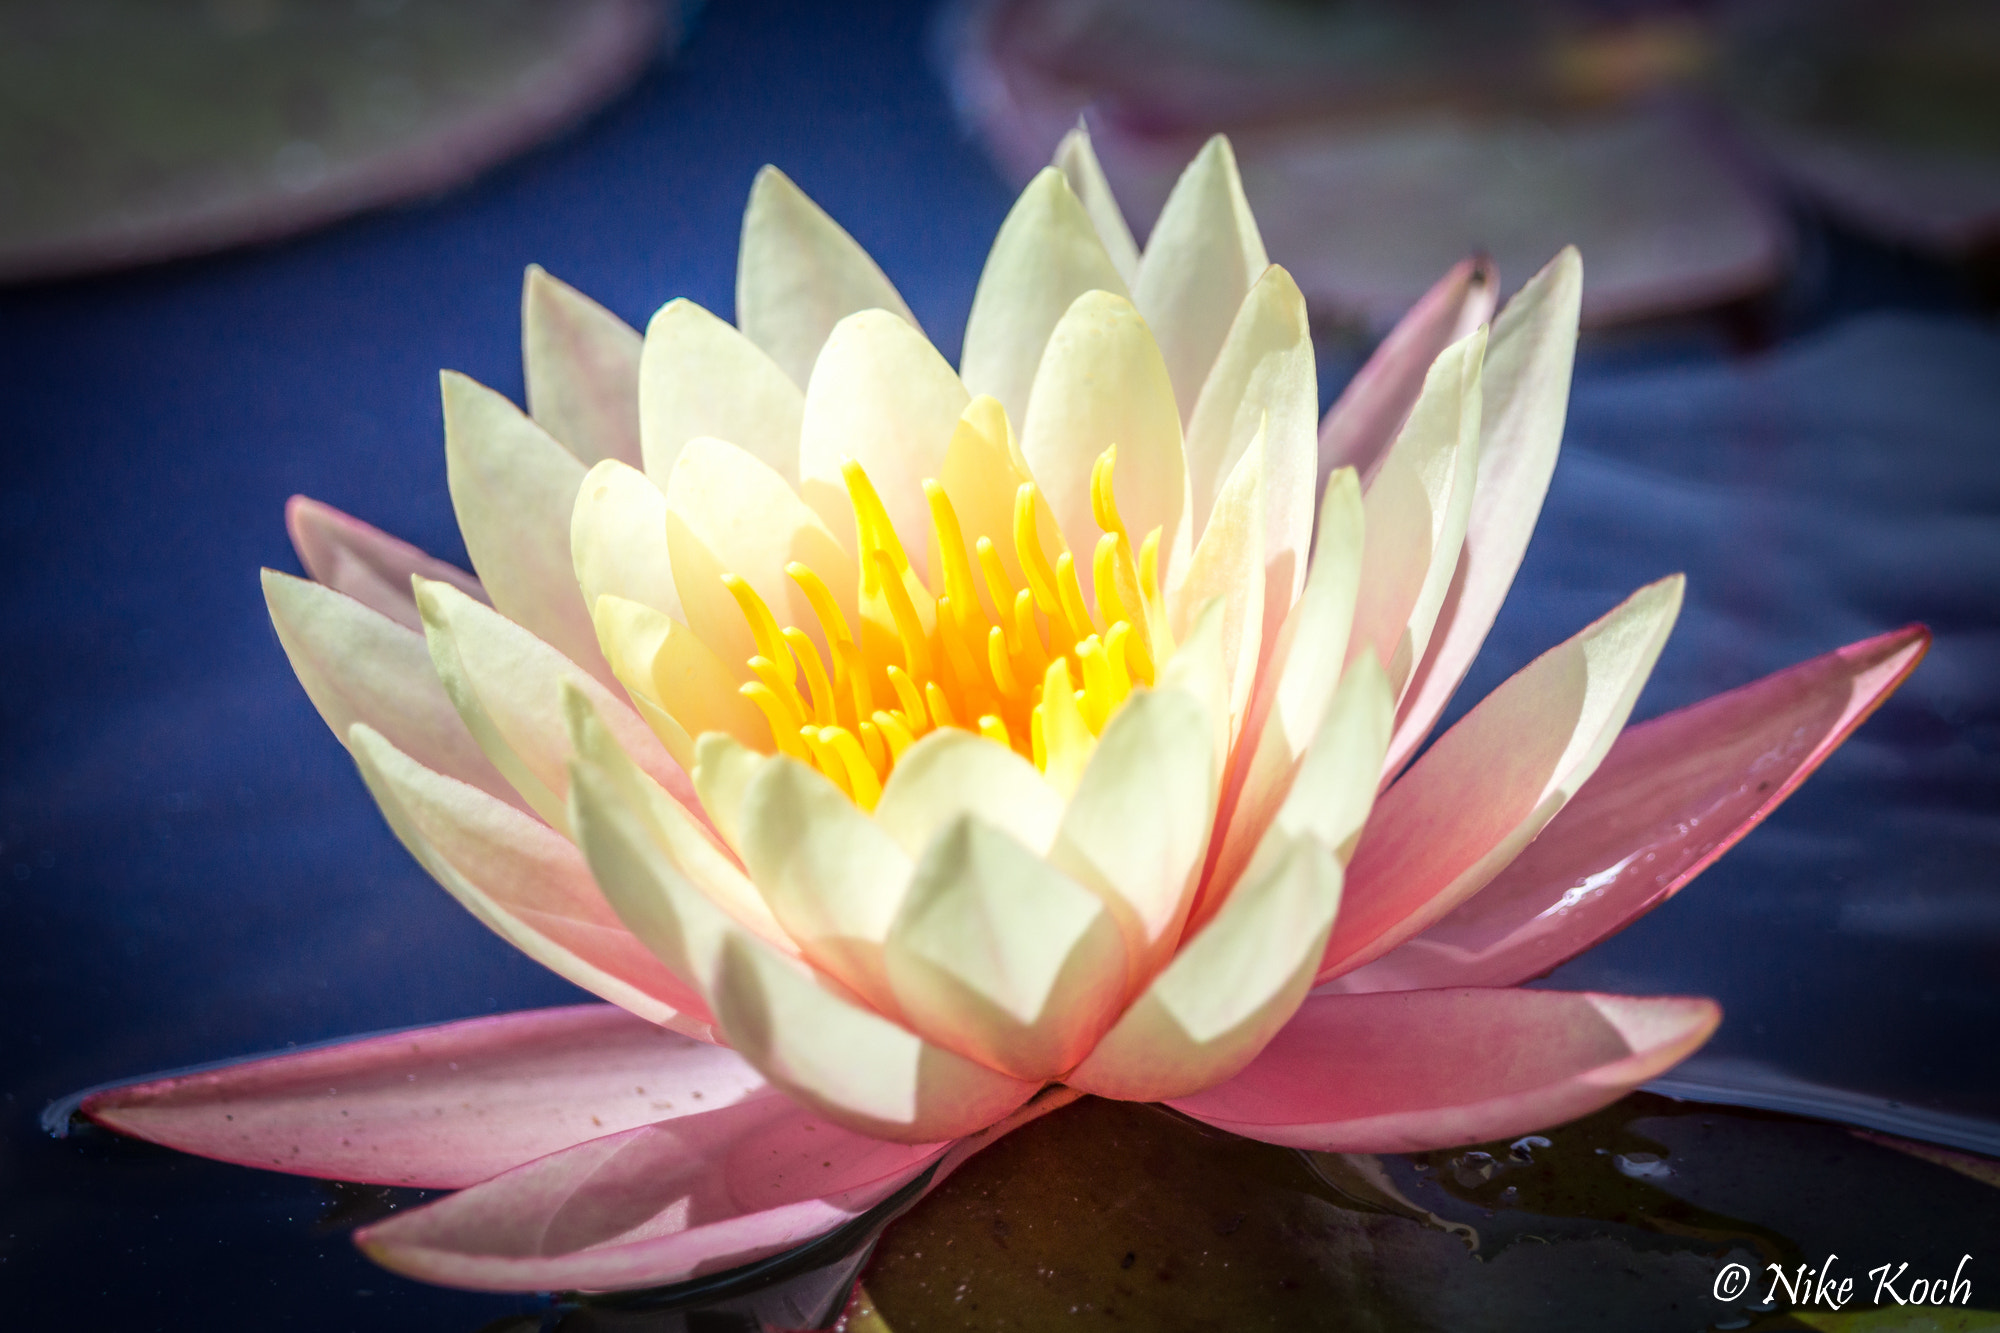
(1413, 1070)
(660, 1203)
(1673, 794)
(438, 1107)
(1476, 799)
(365, 562)
(1361, 425)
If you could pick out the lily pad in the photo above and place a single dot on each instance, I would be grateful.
(1381, 143)
(136, 130)
(1116, 1215)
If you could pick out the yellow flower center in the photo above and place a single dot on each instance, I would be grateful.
(1033, 668)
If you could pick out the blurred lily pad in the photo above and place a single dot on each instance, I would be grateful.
(1889, 113)
(136, 130)
(1381, 142)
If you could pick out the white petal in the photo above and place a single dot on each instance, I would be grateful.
(507, 686)
(1228, 991)
(951, 773)
(833, 878)
(699, 376)
(668, 827)
(582, 365)
(358, 665)
(798, 274)
(618, 539)
(881, 395)
(1200, 262)
(730, 513)
(1137, 827)
(1046, 255)
(1416, 509)
(997, 956)
(679, 686)
(1077, 161)
(1102, 382)
(1526, 393)
(1298, 685)
(1363, 422)
(1228, 566)
(1264, 378)
(524, 882)
(849, 1064)
(514, 490)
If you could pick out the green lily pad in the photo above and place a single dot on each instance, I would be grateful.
(134, 130)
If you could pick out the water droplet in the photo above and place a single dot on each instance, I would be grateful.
(1523, 1150)
(1473, 1168)
(1641, 1166)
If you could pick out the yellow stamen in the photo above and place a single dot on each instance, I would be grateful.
(825, 759)
(824, 702)
(852, 666)
(996, 658)
(1038, 666)
(1029, 646)
(939, 705)
(999, 588)
(910, 696)
(1100, 694)
(916, 649)
(780, 679)
(964, 666)
(1103, 500)
(1066, 738)
(1028, 548)
(871, 519)
(871, 742)
(895, 733)
(1104, 572)
(950, 543)
(993, 729)
(1118, 641)
(763, 625)
(1073, 608)
(831, 621)
(861, 779)
(784, 724)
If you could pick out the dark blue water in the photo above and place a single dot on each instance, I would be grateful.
(190, 868)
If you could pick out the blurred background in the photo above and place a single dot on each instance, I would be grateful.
(238, 238)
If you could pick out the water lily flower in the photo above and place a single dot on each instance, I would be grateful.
(903, 751)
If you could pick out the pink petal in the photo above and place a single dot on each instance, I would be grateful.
(1476, 799)
(437, 1107)
(660, 1203)
(365, 562)
(1673, 794)
(1359, 428)
(1413, 1070)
